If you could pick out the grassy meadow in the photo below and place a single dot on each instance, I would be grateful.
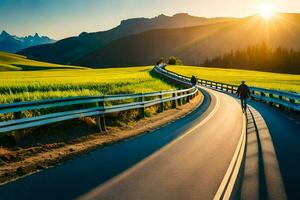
(14, 62)
(286, 82)
(36, 85)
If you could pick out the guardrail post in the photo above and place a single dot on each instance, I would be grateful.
(182, 99)
(292, 101)
(142, 109)
(101, 118)
(280, 106)
(179, 102)
(226, 88)
(17, 115)
(263, 95)
(174, 103)
(211, 84)
(271, 96)
(187, 97)
(253, 93)
(161, 106)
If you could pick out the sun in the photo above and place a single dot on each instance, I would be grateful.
(267, 11)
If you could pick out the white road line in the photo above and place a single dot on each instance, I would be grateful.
(232, 171)
(205, 120)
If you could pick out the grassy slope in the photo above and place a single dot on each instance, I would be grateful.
(45, 84)
(285, 82)
(14, 62)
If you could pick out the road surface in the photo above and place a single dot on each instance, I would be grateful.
(186, 159)
(191, 167)
(285, 133)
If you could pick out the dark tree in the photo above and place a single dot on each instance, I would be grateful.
(174, 61)
(259, 57)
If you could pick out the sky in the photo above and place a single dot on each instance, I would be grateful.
(63, 18)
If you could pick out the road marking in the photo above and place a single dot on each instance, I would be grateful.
(231, 175)
(206, 119)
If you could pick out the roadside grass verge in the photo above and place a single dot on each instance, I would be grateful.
(37, 85)
(285, 82)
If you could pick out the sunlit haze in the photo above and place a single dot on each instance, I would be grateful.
(62, 18)
(267, 11)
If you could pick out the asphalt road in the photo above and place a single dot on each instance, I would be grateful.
(190, 167)
(285, 133)
(186, 159)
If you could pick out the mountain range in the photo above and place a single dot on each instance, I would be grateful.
(11, 43)
(69, 50)
(194, 44)
(143, 41)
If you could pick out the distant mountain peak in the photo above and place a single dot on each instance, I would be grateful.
(162, 16)
(181, 14)
(4, 33)
(12, 43)
(133, 20)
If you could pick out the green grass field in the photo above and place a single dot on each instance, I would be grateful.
(286, 82)
(14, 62)
(35, 85)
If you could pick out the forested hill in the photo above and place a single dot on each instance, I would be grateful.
(194, 44)
(261, 57)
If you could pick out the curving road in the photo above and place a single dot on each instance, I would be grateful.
(190, 167)
(186, 159)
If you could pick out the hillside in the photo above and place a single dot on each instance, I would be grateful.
(67, 50)
(13, 62)
(12, 43)
(194, 44)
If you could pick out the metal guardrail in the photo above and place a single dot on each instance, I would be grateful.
(281, 99)
(96, 107)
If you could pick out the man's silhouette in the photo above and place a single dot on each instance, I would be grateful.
(243, 92)
(194, 80)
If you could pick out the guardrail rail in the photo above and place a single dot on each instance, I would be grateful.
(98, 106)
(281, 99)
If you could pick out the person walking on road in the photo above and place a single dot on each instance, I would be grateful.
(194, 81)
(243, 92)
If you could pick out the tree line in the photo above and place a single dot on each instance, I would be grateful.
(259, 57)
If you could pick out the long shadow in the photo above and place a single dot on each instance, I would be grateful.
(284, 130)
(80, 175)
(285, 135)
(262, 181)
